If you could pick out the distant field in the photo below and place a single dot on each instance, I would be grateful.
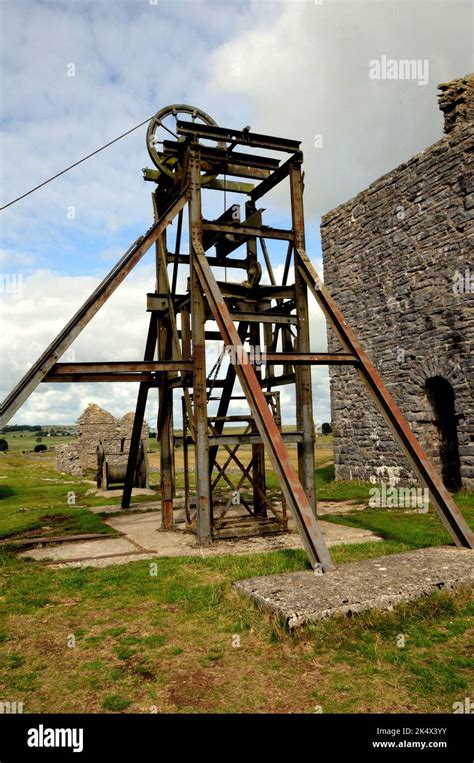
(26, 441)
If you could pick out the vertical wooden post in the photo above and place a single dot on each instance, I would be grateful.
(304, 393)
(165, 395)
(138, 420)
(201, 444)
(258, 450)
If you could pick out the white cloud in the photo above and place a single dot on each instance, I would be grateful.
(306, 74)
(296, 69)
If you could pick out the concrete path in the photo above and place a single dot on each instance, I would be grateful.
(381, 583)
(142, 538)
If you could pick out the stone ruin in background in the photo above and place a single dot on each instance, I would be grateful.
(96, 425)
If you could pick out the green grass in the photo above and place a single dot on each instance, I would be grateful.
(406, 526)
(34, 496)
(327, 489)
(18, 442)
(165, 643)
(36, 499)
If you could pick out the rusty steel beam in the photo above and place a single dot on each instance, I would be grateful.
(244, 439)
(303, 380)
(79, 321)
(230, 186)
(263, 231)
(120, 367)
(142, 397)
(311, 358)
(292, 489)
(226, 397)
(211, 155)
(285, 318)
(184, 259)
(152, 379)
(198, 329)
(449, 513)
(243, 137)
(272, 180)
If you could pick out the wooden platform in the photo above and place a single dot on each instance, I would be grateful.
(244, 527)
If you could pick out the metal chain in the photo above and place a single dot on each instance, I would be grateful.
(214, 373)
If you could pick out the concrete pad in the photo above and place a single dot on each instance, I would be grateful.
(115, 508)
(117, 492)
(145, 531)
(142, 538)
(380, 583)
(83, 549)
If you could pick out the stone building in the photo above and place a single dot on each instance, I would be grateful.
(398, 258)
(97, 425)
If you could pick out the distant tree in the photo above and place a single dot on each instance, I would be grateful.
(38, 439)
(40, 448)
(3, 445)
(326, 428)
(152, 434)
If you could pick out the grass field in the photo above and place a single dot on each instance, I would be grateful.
(18, 442)
(121, 639)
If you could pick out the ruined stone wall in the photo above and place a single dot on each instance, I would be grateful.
(97, 425)
(67, 459)
(398, 258)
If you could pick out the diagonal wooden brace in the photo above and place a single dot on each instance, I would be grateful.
(65, 338)
(292, 489)
(399, 426)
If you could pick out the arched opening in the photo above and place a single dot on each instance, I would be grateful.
(441, 398)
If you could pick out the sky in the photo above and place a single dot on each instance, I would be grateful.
(75, 74)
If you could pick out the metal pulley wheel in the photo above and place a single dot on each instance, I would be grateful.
(163, 126)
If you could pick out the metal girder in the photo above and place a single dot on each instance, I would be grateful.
(65, 338)
(417, 458)
(198, 321)
(225, 398)
(239, 229)
(292, 489)
(212, 155)
(139, 416)
(311, 358)
(76, 369)
(284, 318)
(243, 137)
(271, 181)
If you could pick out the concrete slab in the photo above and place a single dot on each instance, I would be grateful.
(142, 538)
(380, 583)
(83, 549)
(145, 531)
(115, 508)
(117, 492)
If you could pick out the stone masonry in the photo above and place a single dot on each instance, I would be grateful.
(95, 425)
(398, 259)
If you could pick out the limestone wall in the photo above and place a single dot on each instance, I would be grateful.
(95, 425)
(398, 258)
(67, 459)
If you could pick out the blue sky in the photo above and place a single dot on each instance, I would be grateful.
(295, 68)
